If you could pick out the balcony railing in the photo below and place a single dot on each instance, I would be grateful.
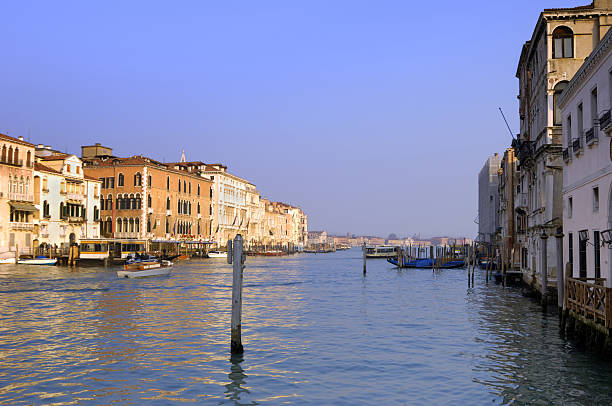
(21, 197)
(566, 154)
(577, 145)
(75, 219)
(590, 136)
(74, 196)
(126, 235)
(589, 298)
(21, 226)
(605, 121)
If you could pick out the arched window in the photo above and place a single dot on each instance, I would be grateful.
(119, 225)
(148, 225)
(179, 207)
(189, 187)
(167, 203)
(168, 183)
(125, 225)
(109, 225)
(198, 209)
(184, 186)
(28, 159)
(198, 189)
(138, 202)
(149, 201)
(96, 213)
(167, 227)
(563, 43)
(559, 88)
(4, 153)
(138, 179)
(137, 225)
(120, 180)
(109, 202)
(10, 155)
(16, 158)
(62, 210)
(102, 201)
(131, 202)
(131, 225)
(179, 185)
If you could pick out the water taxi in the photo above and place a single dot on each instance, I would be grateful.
(145, 268)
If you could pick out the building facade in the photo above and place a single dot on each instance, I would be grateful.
(510, 228)
(17, 210)
(67, 201)
(146, 199)
(488, 200)
(561, 41)
(587, 174)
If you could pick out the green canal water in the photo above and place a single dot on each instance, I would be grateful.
(315, 331)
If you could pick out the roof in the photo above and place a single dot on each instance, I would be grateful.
(587, 7)
(16, 140)
(55, 157)
(43, 168)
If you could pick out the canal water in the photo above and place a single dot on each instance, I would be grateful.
(315, 331)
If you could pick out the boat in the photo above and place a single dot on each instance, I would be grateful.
(456, 263)
(381, 251)
(38, 261)
(412, 263)
(144, 269)
(7, 260)
(217, 254)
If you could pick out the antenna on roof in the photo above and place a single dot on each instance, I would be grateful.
(506, 121)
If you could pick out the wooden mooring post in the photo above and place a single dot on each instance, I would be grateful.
(236, 257)
(364, 258)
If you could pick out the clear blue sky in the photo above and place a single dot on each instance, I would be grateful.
(374, 116)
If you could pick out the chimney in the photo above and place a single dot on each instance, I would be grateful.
(40, 146)
(48, 147)
(20, 138)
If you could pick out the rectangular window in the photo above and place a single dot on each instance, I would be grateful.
(580, 120)
(570, 251)
(597, 259)
(570, 207)
(110, 183)
(568, 136)
(582, 257)
(595, 199)
(103, 185)
(594, 112)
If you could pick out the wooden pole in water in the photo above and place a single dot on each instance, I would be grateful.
(364, 258)
(560, 281)
(544, 267)
(238, 264)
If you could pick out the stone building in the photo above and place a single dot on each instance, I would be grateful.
(488, 200)
(67, 201)
(511, 230)
(587, 175)
(17, 211)
(143, 198)
(560, 42)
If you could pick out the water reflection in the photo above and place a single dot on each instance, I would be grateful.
(235, 390)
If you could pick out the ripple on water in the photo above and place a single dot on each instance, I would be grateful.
(315, 330)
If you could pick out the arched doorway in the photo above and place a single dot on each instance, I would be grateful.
(72, 239)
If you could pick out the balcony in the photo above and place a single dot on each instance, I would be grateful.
(577, 146)
(566, 155)
(590, 136)
(126, 235)
(75, 219)
(21, 226)
(75, 196)
(20, 197)
(12, 162)
(605, 121)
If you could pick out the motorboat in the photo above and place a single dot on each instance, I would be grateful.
(144, 269)
(38, 261)
(217, 254)
(7, 260)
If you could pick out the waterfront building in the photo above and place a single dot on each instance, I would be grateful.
(67, 200)
(512, 218)
(146, 199)
(561, 40)
(317, 237)
(587, 175)
(17, 210)
(488, 200)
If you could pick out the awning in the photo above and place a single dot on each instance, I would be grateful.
(23, 206)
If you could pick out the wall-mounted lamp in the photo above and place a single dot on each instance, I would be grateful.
(606, 236)
(583, 235)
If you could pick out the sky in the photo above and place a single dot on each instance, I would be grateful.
(374, 117)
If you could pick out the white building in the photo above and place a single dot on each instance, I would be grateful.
(68, 202)
(488, 199)
(587, 174)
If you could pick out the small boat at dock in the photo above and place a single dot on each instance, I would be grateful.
(217, 254)
(144, 269)
(38, 261)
